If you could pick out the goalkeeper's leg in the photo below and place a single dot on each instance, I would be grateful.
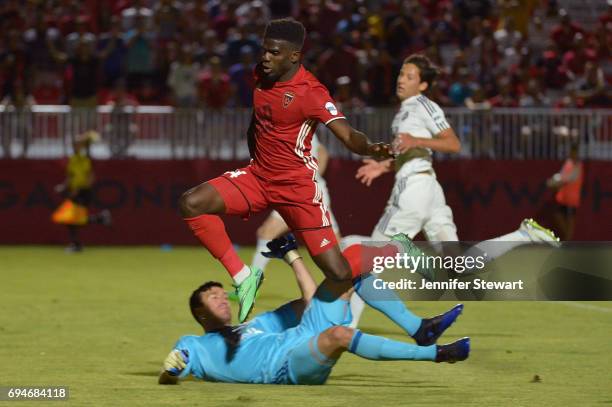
(336, 340)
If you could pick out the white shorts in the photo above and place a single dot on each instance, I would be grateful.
(326, 202)
(417, 203)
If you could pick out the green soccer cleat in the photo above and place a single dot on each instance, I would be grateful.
(538, 233)
(413, 251)
(247, 291)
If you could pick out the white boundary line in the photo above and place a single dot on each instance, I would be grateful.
(585, 306)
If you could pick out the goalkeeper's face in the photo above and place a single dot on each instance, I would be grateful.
(216, 305)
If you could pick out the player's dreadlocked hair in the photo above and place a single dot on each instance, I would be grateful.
(427, 70)
(195, 301)
(286, 29)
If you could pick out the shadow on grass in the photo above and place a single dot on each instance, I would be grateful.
(148, 374)
(375, 381)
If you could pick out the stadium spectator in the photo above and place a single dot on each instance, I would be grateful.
(236, 41)
(508, 36)
(344, 96)
(16, 120)
(15, 64)
(461, 89)
(183, 79)
(225, 19)
(139, 57)
(380, 77)
(504, 97)
(487, 38)
(210, 47)
(167, 17)
(575, 58)
(563, 34)
(241, 76)
(330, 69)
(114, 50)
(214, 86)
(80, 35)
(591, 87)
(480, 131)
(82, 68)
(253, 16)
(129, 16)
(122, 129)
(196, 15)
(533, 96)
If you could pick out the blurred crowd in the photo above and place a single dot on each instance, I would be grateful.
(201, 53)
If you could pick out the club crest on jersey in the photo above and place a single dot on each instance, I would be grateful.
(288, 98)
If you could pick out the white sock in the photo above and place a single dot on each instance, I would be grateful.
(357, 305)
(242, 275)
(259, 261)
(499, 246)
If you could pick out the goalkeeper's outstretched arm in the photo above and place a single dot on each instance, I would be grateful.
(286, 248)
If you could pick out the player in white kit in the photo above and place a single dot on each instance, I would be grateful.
(417, 202)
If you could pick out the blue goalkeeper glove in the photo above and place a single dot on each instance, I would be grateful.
(283, 248)
(176, 362)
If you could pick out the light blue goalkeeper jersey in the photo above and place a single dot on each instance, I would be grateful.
(254, 352)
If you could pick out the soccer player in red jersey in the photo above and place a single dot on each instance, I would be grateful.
(288, 104)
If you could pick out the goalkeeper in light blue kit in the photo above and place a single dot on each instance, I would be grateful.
(299, 342)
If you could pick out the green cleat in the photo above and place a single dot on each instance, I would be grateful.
(413, 251)
(538, 233)
(247, 291)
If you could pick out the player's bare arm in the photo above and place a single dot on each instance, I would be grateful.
(445, 142)
(285, 248)
(372, 169)
(358, 142)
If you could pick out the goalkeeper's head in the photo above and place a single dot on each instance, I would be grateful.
(210, 307)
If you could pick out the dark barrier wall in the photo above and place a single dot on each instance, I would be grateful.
(488, 198)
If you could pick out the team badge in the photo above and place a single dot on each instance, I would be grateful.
(288, 98)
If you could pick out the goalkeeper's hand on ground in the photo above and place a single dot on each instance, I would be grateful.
(283, 248)
(176, 361)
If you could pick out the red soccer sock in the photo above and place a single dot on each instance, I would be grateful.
(361, 257)
(210, 230)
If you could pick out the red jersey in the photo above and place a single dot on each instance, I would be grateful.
(285, 117)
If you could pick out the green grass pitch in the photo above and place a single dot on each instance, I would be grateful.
(101, 322)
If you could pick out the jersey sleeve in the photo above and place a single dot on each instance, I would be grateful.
(433, 116)
(319, 105)
(186, 344)
(279, 320)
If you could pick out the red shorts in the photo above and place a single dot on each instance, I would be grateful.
(299, 202)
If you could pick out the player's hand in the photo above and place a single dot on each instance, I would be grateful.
(176, 361)
(380, 150)
(280, 247)
(404, 142)
(371, 169)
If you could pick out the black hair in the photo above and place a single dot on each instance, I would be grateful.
(195, 301)
(427, 70)
(286, 29)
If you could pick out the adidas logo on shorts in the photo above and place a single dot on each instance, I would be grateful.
(324, 242)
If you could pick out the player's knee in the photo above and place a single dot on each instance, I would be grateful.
(196, 201)
(262, 232)
(189, 203)
(340, 336)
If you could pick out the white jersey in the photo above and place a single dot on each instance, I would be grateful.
(423, 118)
